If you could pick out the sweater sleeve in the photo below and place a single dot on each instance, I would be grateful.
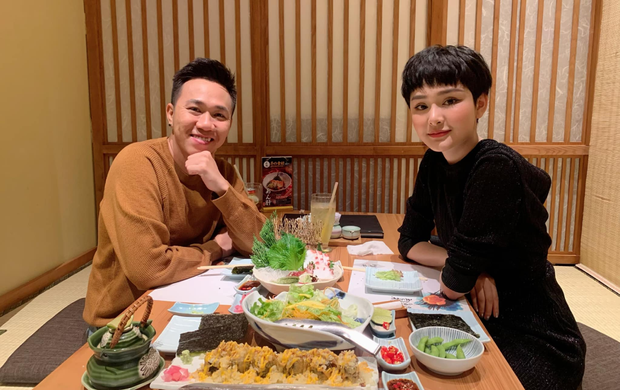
(241, 217)
(491, 211)
(419, 220)
(132, 211)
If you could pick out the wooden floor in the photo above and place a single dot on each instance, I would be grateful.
(592, 304)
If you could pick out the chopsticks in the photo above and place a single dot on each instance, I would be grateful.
(206, 267)
(203, 267)
(353, 269)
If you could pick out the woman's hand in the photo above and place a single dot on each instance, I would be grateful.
(484, 297)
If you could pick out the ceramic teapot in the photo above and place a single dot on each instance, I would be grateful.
(123, 355)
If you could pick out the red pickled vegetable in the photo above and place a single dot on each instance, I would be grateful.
(176, 374)
(392, 355)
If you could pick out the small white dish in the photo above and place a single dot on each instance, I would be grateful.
(236, 261)
(235, 307)
(168, 340)
(248, 278)
(412, 376)
(380, 331)
(398, 343)
(409, 284)
(193, 309)
(467, 316)
(472, 350)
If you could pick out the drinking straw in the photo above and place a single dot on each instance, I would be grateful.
(333, 195)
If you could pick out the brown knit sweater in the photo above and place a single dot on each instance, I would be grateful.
(156, 226)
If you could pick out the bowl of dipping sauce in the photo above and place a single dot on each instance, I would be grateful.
(247, 285)
(351, 232)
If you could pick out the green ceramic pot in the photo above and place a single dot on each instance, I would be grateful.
(105, 375)
(134, 343)
(131, 361)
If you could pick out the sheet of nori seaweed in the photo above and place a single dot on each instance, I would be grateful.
(213, 329)
(447, 320)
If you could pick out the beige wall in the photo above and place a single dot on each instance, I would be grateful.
(601, 225)
(47, 210)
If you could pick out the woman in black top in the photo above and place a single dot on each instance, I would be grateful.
(487, 203)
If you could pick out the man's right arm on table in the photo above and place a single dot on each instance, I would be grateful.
(132, 211)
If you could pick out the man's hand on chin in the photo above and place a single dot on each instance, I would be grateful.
(225, 242)
(204, 164)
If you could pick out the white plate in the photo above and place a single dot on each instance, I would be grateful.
(410, 282)
(467, 316)
(159, 383)
(236, 261)
(412, 376)
(168, 340)
(193, 309)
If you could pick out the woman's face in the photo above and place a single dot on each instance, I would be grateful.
(444, 117)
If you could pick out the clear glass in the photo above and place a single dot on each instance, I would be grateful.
(255, 192)
(321, 209)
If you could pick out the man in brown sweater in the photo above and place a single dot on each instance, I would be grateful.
(169, 204)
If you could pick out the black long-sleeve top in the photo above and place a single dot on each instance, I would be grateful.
(489, 212)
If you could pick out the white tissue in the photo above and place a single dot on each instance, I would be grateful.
(369, 248)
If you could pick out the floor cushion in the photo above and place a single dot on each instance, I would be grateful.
(47, 348)
(602, 361)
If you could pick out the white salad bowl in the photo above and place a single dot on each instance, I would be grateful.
(283, 337)
(265, 277)
(473, 350)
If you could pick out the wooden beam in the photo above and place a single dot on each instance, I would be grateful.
(599, 278)
(398, 149)
(27, 290)
(94, 54)
(595, 33)
(563, 258)
(437, 22)
(259, 25)
(361, 150)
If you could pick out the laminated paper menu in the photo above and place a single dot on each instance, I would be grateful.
(277, 182)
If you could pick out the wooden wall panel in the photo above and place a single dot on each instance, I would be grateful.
(320, 80)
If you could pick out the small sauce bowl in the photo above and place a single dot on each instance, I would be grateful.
(247, 285)
(351, 232)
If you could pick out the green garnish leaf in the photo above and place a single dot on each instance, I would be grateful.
(288, 253)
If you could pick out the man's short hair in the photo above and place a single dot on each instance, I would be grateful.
(208, 69)
(447, 65)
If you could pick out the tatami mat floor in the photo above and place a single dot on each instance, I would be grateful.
(592, 304)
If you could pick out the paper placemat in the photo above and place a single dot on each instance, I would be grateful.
(427, 299)
(213, 285)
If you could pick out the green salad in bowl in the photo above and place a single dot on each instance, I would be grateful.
(305, 302)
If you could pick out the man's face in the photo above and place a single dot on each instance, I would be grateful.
(201, 119)
(444, 118)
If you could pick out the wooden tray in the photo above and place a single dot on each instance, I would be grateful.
(344, 241)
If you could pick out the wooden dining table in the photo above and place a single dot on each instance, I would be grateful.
(491, 373)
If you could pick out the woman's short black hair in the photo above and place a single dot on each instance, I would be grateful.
(447, 65)
(208, 69)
